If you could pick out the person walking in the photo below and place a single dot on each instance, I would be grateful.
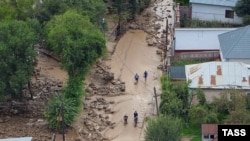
(136, 78)
(135, 118)
(145, 75)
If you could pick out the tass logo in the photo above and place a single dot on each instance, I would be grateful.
(235, 132)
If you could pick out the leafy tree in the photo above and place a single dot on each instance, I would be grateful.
(182, 92)
(6, 11)
(16, 56)
(163, 128)
(233, 103)
(45, 10)
(183, 2)
(174, 98)
(170, 104)
(74, 90)
(121, 8)
(242, 9)
(200, 114)
(95, 10)
(16, 9)
(60, 112)
(76, 40)
(240, 116)
(201, 97)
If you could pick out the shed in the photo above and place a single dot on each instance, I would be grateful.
(17, 139)
(215, 10)
(177, 73)
(209, 132)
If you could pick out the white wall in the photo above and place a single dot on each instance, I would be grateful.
(198, 38)
(246, 61)
(213, 13)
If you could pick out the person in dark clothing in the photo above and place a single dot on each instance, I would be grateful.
(135, 114)
(145, 75)
(135, 118)
(136, 78)
(125, 118)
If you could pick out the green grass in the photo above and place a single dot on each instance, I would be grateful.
(193, 131)
(184, 62)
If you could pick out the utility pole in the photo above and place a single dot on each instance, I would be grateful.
(156, 102)
(166, 51)
(62, 114)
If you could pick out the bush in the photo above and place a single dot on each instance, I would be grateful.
(61, 112)
(162, 128)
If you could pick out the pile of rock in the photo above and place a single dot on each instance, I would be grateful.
(96, 119)
(105, 84)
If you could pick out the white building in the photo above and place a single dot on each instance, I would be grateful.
(235, 45)
(198, 39)
(215, 77)
(215, 10)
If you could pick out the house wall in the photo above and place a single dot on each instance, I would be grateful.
(210, 94)
(246, 61)
(209, 139)
(213, 13)
(200, 39)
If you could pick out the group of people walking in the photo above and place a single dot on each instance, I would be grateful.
(125, 118)
(145, 75)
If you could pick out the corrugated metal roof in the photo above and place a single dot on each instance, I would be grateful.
(199, 38)
(219, 75)
(177, 72)
(236, 43)
(17, 139)
(230, 3)
(209, 129)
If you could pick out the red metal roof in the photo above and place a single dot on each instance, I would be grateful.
(209, 129)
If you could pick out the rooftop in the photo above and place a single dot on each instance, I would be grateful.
(230, 3)
(177, 73)
(209, 129)
(17, 139)
(219, 75)
(236, 43)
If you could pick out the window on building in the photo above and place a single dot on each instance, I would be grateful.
(229, 14)
(211, 136)
(206, 136)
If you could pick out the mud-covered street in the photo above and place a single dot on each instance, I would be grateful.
(140, 49)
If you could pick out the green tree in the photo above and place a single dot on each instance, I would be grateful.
(233, 104)
(242, 9)
(163, 128)
(16, 56)
(61, 112)
(170, 104)
(76, 40)
(95, 10)
(201, 97)
(74, 90)
(200, 114)
(240, 116)
(16, 9)
(182, 92)
(6, 11)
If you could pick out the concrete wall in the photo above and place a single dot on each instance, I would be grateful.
(213, 13)
(210, 94)
(198, 38)
(246, 61)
